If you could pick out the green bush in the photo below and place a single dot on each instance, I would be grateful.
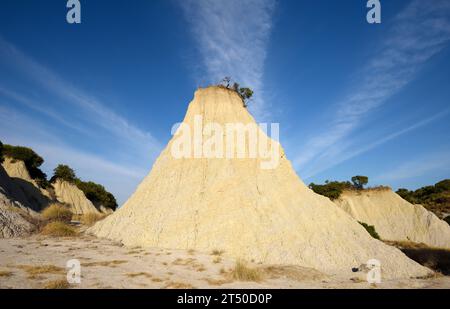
(64, 172)
(360, 181)
(435, 198)
(370, 229)
(332, 189)
(97, 194)
(31, 159)
(94, 192)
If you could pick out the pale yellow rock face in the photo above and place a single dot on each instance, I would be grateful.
(267, 216)
(73, 197)
(37, 197)
(394, 218)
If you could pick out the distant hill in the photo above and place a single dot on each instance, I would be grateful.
(435, 198)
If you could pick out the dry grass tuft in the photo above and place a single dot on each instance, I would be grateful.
(113, 263)
(217, 252)
(91, 218)
(57, 284)
(218, 282)
(5, 273)
(140, 274)
(157, 280)
(293, 272)
(242, 272)
(217, 260)
(178, 285)
(57, 212)
(35, 272)
(58, 229)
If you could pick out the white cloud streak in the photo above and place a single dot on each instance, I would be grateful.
(79, 112)
(431, 163)
(19, 129)
(232, 38)
(93, 111)
(421, 31)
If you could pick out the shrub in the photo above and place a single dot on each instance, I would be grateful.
(97, 194)
(370, 229)
(58, 229)
(435, 198)
(64, 172)
(244, 273)
(91, 218)
(57, 212)
(332, 190)
(360, 181)
(31, 159)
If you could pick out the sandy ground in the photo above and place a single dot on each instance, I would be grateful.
(105, 264)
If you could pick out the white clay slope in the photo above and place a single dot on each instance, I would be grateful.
(394, 218)
(267, 216)
(69, 194)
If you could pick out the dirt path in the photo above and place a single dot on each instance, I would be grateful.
(39, 262)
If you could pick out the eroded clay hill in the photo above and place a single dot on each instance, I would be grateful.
(394, 218)
(69, 194)
(15, 214)
(37, 198)
(265, 215)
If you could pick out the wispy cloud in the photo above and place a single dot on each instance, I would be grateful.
(418, 33)
(232, 37)
(121, 178)
(431, 163)
(93, 111)
(346, 152)
(56, 108)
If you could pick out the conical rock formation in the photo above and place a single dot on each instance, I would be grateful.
(69, 194)
(394, 218)
(265, 215)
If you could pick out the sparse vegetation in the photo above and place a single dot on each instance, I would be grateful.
(58, 229)
(244, 92)
(57, 212)
(242, 272)
(217, 252)
(178, 285)
(334, 189)
(140, 274)
(360, 181)
(64, 172)
(97, 194)
(33, 270)
(370, 229)
(91, 218)
(94, 192)
(435, 198)
(5, 273)
(32, 162)
(112, 263)
(57, 284)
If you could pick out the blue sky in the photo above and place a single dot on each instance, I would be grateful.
(350, 97)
